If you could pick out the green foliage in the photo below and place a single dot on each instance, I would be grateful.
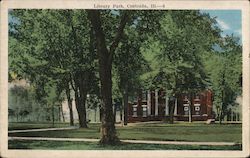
(51, 49)
(23, 105)
(129, 62)
(19, 104)
(175, 53)
(174, 50)
(225, 74)
(93, 101)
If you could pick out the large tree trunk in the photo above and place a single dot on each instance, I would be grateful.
(80, 99)
(108, 132)
(80, 111)
(71, 116)
(125, 105)
(83, 96)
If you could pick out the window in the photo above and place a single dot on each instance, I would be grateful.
(186, 109)
(134, 110)
(197, 109)
(144, 96)
(144, 110)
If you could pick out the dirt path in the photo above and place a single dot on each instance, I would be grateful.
(127, 141)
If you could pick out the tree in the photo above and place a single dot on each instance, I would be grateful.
(129, 65)
(70, 99)
(18, 102)
(105, 57)
(129, 62)
(175, 54)
(58, 53)
(225, 74)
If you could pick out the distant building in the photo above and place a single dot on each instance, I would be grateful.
(92, 115)
(65, 110)
(153, 106)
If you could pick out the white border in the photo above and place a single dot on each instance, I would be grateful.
(243, 5)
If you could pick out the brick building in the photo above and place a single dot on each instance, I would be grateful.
(152, 106)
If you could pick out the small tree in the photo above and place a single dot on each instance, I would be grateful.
(225, 71)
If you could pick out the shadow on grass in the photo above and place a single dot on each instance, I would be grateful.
(64, 145)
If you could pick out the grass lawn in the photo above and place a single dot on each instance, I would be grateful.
(34, 125)
(58, 145)
(155, 131)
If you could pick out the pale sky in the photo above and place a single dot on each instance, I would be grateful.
(228, 20)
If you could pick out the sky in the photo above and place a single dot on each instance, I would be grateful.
(228, 20)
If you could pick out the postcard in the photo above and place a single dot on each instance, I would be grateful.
(127, 78)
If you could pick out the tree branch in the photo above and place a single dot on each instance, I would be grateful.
(124, 19)
(95, 19)
(94, 16)
(71, 82)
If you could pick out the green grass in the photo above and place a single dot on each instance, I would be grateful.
(58, 145)
(184, 132)
(34, 125)
(160, 131)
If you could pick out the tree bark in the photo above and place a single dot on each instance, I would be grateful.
(190, 107)
(115, 109)
(190, 113)
(121, 114)
(171, 112)
(95, 115)
(80, 111)
(62, 113)
(221, 116)
(80, 98)
(100, 111)
(53, 115)
(71, 116)
(83, 96)
(125, 105)
(108, 132)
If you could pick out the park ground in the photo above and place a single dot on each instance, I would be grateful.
(180, 131)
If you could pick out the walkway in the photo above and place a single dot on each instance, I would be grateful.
(127, 141)
(43, 129)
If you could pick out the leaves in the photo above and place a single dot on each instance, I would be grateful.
(225, 73)
(178, 50)
(47, 47)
